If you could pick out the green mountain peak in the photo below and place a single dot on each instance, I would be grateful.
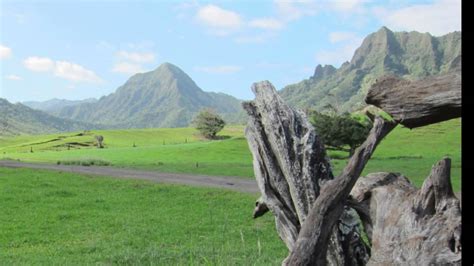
(164, 97)
(410, 55)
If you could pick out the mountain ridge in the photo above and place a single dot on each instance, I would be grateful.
(55, 104)
(411, 55)
(163, 97)
(20, 119)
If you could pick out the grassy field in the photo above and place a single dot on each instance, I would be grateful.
(414, 152)
(61, 218)
(52, 218)
(411, 152)
(167, 150)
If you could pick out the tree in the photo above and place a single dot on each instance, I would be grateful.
(100, 140)
(338, 131)
(208, 123)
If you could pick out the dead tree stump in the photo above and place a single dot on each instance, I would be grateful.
(409, 226)
(314, 211)
(291, 166)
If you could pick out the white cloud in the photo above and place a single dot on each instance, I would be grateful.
(251, 39)
(13, 77)
(223, 22)
(127, 68)
(340, 54)
(290, 10)
(266, 24)
(5, 52)
(74, 72)
(186, 5)
(104, 45)
(132, 62)
(220, 21)
(228, 69)
(62, 69)
(39, 64)
(438, 18)
(136, 57)
(347, 5)
(341, 36)
(141, 45)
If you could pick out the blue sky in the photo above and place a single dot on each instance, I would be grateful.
(81, 49)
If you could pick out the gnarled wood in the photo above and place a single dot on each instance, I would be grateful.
(291, 166)
(311, 246)
(418, 103)
(405, 226)
(409, 226)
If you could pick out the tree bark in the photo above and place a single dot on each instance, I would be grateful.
(311, 246)
(291, 166)
(409, 226)
(418, 103)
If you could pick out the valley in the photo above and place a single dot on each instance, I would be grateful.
(182, 150)
(158, 192)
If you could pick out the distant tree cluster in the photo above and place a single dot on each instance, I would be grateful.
(339, 131)
(209, 123)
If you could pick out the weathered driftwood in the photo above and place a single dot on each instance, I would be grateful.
(418, 103)
(405, 226)
(311, 246)
(409, 226)
(291, 167)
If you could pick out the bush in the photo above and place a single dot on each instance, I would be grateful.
(340, 131)
(208, 123)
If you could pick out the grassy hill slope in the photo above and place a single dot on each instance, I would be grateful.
(17, 119)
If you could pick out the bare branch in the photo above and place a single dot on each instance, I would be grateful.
(418, 103)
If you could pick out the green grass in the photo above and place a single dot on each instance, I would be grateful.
(182, 150)
(112, 139)
(54, 218)
(61, 218)
(414, 152)
(410, 152)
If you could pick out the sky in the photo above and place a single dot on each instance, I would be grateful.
(81, 49)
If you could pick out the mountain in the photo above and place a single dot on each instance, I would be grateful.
(411, 55)
(55, 104)
(164, 97)
(16, 119)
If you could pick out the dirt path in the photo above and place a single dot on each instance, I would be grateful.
(233, 183)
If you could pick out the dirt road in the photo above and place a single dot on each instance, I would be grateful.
(233, 183)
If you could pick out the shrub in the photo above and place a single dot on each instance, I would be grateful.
(340, 131)
(208, 123)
